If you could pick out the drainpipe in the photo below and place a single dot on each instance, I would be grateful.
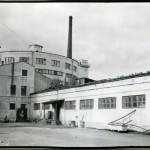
(12, 73)
(44, 110)
(32, 58)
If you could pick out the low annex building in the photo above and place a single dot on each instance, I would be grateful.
(97, 103)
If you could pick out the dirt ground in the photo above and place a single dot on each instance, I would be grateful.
(27, 134)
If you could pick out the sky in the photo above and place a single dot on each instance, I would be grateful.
(113, 37)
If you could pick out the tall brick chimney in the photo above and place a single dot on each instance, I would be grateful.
(69, 50)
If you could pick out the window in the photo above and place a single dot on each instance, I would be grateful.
(70, 104)
(68, 66)
(44, 71)
(134, 101)
(41, 61)
(86, 104)
(24, 59)
(59, 73)
(47, 106)
(56, 63)
(13, 89)
(23, 90)
(68, 75)
(107, 103)
(75, 69)
(23, 106)
(24, 72)
(12, 106)
(51, 72)
(36, 106)
(9, 60)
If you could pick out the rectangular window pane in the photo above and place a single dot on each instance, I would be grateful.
(70, 105)
(24, 72)
(134, 101)
(9, 60)
(41, 61)
(23, 90)
(107, 103)
(24, 59)
(36, 106)
(56, 63)
(13, 89)
(12, 106)
(68, 66)
(86, 104)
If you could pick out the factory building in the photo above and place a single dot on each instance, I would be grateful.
(26, 71)
(98, 103)
(51, 65)
(25, 78)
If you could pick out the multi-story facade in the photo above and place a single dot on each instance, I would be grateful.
(51, 65)
(17, 81)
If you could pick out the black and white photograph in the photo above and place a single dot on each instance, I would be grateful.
(75, 75)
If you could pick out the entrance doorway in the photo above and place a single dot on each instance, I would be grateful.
(57, 110)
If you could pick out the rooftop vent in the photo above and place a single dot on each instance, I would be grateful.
(84, 63)
(35, 47)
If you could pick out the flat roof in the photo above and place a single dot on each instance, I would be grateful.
(98, 82)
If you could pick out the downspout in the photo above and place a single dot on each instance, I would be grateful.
(32, 58)
(12, 73)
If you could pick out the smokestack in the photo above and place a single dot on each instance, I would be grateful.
(69, 50)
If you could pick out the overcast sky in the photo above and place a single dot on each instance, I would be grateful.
(113, 37)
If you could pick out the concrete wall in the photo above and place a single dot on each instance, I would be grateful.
(5, 81)
(100, 118)
(19, 80)
(11, 114)
(41, 82)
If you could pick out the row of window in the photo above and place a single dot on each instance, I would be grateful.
(51, 72)
(41, 61)
(55, 63)
(37, 106)
(134, 101)
(13, 90)
(12, 106)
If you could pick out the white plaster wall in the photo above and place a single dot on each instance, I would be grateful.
(101, 117)
(81, 72)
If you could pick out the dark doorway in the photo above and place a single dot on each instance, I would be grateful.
(21, 114)
(57, 106)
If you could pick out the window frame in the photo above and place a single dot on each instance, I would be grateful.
(24, 73)
(36, 106)
(107, 103)
(24, 59)
(23, 90)
(70, 105)
(41, 61)
(134, 101)
(86, 104)
(56, 63)
(75, 68)
(9, 60)
(12, 89)
(12, 106)
(67, 66)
